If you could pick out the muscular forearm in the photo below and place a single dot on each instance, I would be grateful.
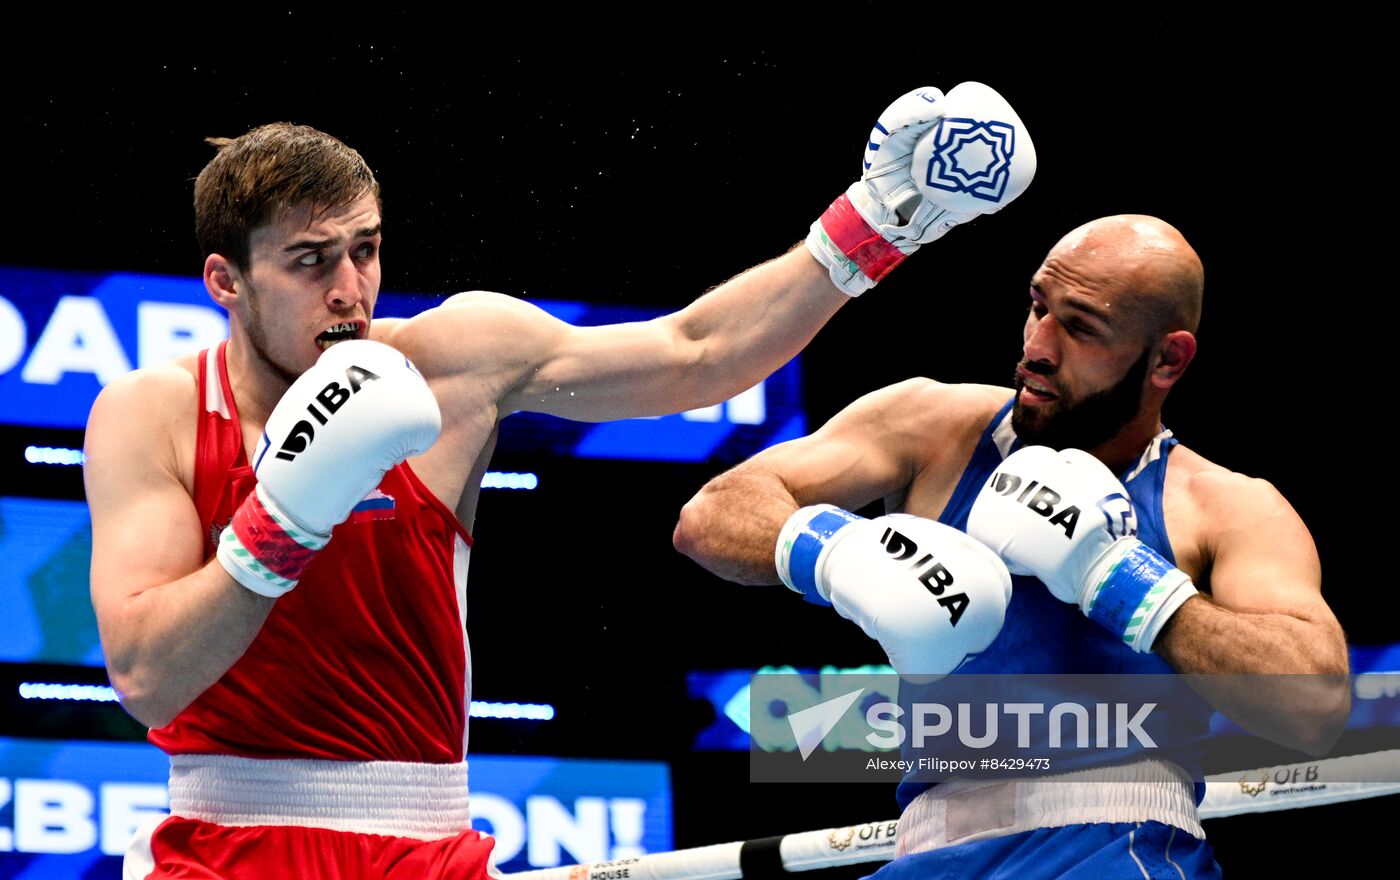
(166, 645)
(1205, 637)
(743, 330)
(1281, 676)
(731, 526)
(721, 344)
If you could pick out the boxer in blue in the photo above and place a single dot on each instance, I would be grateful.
(1206, 571)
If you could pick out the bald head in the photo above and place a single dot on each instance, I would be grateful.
(1148, 260)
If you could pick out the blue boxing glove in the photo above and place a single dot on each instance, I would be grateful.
(929, 594)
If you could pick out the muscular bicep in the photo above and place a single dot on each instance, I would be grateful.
(532, 361)
(609, 372)
(481, 344)
(1262, 557)
(145, 529)
(721, 344)
(171, 622)
(881, 444)
(718, 346)
(845, 463)
(870, 450)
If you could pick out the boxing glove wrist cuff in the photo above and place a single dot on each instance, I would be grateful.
(264, 549)
(856, 254)
(806, 535)
(1134, 591)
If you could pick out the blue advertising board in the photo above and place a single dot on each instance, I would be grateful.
(64, 335)
(68, 809)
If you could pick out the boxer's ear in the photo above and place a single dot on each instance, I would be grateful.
(220, 280)
(1174, 355)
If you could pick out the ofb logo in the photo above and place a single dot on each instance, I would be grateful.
(1254, 789)
(870, 836)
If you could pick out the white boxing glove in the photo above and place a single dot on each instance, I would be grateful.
(931, 163)
(929, 594)
(1065, 518)
(359, 411)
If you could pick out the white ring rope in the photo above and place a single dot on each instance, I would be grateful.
(803, 851)
(1314, 783)
(1309, 784)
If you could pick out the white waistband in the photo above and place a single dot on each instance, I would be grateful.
(424, 801)
(960, 810)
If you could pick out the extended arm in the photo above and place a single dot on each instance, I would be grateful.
(723, 343)
(738, 333)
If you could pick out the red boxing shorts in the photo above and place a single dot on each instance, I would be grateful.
(189, 848)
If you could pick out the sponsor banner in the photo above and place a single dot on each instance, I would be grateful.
(68, 809)
(64, 335)
(853, 843)
(883, 728)
(1307, 784)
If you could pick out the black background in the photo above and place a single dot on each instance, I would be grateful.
(638, 170)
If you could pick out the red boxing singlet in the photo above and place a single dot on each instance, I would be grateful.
(366, 660)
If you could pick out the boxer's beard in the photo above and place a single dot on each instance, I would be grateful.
(1085, 423)
(257, 337)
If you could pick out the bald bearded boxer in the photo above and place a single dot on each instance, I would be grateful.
(281, 524)
(1206, 571)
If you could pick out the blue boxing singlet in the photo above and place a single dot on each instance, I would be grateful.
(1041, 634)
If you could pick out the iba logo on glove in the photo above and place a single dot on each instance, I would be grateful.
(331, 398)
(1117, 508)
(935, 577)
(1042, 500)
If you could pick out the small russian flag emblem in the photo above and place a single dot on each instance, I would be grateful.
(375, 506)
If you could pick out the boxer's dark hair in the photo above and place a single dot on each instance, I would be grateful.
(271, 169)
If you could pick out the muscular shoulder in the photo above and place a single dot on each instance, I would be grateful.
(472, 349)
(932, 417)
(1223, 506)
(145, 419)
(923, 405)
(477, 331)
(148, 394)
(931, 429)
(1218, 491)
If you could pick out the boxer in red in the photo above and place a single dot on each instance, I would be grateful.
(324, 727)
